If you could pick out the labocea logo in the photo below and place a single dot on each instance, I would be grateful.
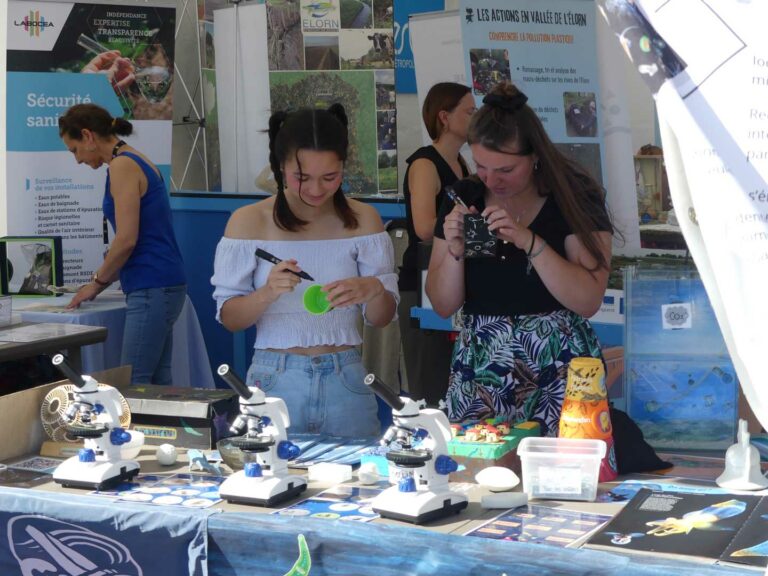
(33, 23)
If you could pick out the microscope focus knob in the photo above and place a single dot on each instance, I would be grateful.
(287, 450)
(253, 470)
(118, 437)
(445, 464)
(406, 485)
(86, 455)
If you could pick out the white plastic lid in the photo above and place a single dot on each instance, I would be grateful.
(532, 446)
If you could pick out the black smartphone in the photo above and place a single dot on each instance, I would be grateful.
(479, 241)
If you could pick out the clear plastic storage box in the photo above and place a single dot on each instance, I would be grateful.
(561, 468)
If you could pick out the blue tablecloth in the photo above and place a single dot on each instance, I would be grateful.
(89, 533)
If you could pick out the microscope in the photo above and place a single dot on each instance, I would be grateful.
(261, 429)
(98, 465)
(421, 463)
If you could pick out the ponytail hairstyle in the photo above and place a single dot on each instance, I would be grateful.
(94, 118)
(307, 129)
(504, 123)
(442, 96)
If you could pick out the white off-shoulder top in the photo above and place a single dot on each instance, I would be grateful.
(286, 324)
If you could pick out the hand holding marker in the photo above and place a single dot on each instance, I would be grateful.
(315, 301)
(264, 255)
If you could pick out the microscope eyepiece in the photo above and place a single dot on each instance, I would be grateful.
(380, 389)
(234, 381)
(66, 368)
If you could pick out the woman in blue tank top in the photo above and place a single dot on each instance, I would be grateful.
(144, 255)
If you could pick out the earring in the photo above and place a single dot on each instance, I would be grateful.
(536, 166)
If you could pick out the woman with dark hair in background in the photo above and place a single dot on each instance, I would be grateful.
(144, 253)
(310, 361)
(525, 308)
(446, 112)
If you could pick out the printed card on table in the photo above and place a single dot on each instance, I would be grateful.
(541, 525)
(186, 490)
(342, 502)
(37, 464)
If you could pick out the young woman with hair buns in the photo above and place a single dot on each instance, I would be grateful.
(524, 309)
(144, 254)
(310, 361)
(446, 112)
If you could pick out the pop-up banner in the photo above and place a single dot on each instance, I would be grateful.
(61, 54)
(548, 49)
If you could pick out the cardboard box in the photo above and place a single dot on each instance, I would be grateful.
(184, 417)
(21, 428)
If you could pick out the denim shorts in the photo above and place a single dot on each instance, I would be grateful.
(324, 394)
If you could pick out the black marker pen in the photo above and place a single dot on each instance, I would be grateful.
(264, 255)
(455, 197)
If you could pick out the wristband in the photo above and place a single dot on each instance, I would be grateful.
(531, 256)
(100, 282)
(533, 241)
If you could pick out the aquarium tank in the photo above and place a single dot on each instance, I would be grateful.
(682, 388)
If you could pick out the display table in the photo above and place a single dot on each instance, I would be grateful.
(190, 365)
(25, 340)
(248, 541)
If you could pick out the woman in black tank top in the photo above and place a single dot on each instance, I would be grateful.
(447, 110)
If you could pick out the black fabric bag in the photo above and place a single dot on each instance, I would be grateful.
(633, 453)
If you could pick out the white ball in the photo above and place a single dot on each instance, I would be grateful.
(368, 473)
(166, 454)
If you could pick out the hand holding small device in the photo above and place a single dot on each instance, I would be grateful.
(479, 241)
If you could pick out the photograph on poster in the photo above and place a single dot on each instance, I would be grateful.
(355, 91)
(382, 13)
(361, 49)
(136, 56)
(386, 130)
(580, 114)
(387, 171)
(321, 52)
(654, 58)
(356, 14)
(385, 89)
(285, 39)
(489, 67)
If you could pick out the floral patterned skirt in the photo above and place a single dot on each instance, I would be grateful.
(516, 366)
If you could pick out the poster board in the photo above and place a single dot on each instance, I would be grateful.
(61, 54)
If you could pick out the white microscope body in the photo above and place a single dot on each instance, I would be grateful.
(421, 492)
(98, 464)
(265, 480)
